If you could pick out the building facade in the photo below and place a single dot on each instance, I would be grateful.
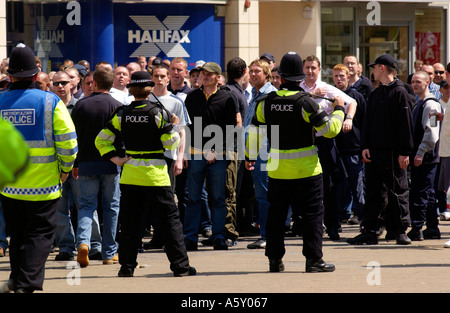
(217, 30)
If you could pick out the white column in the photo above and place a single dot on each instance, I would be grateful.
(241, 30)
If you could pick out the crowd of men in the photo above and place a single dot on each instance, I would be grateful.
(387, 166)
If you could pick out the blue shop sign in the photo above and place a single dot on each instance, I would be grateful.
(190, 31)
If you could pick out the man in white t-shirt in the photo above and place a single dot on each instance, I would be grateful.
(333, 167)
(174, 159)
(173, 104)
(119, 90)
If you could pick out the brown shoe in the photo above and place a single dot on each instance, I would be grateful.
(113, 260)
(83, 255)
(2, 252)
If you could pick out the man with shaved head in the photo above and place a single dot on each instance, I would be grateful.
(43, 80)
(119, 90)
(62, 86)
(439, 73)
(133, 67)
(424, 162)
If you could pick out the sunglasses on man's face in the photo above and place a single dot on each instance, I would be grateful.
(439, 72)
(60, 83)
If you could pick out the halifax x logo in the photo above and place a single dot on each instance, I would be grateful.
(156, 36)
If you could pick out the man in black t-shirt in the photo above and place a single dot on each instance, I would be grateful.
(210, 110)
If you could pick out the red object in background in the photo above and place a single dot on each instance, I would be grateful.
(428, 47)
(247, 4)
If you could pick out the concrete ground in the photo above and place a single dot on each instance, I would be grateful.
(422, 267)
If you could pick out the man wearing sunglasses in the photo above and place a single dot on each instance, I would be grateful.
(65, 234)
(62, 86)
(439, 73)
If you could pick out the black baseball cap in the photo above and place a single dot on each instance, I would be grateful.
(157, 61)
(81, 69)
(385, 59)
(141, 79)
(267, 56)
(22, 62)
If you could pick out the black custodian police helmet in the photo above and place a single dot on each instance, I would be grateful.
(22, 62)
(291, 67)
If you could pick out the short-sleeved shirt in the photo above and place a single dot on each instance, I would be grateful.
(174, 105)
(331, 92)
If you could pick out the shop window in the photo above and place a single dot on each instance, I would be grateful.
(379, 40)
(430, 36)
(337, 38)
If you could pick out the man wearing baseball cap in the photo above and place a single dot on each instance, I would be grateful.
(29, 203)
(210, 109)
(269, 58)
(387, 142)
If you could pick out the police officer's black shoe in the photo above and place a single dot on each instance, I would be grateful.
(126, 271)
(368, 238)
(190, 272)
(318, 265)
(276, 265)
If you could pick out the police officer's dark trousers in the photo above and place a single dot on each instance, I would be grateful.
(305, 196)
(32, 226)
(134, 206)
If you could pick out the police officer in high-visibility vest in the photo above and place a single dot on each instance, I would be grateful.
(145, 129)
(29, 202)
(290, 117)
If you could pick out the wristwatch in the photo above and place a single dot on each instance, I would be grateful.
(349, 117)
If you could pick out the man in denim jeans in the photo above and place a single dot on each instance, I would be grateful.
(260, 79)
(215, 110)
(96, 176)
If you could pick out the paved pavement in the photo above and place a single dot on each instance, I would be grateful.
(422, 267)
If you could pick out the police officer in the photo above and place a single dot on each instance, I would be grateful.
(145, 180)
(29, 202)
(295, 173)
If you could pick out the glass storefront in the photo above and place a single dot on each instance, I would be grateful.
(430, 36)
(338, 33)
(378, 40)
(408, 31)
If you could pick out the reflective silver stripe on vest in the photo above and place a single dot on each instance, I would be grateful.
(66, 137)
(141, 162)
(48, 126)
(43, 159)
(105, 136)
(67, 152)
(293, 155)
(31, 191)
